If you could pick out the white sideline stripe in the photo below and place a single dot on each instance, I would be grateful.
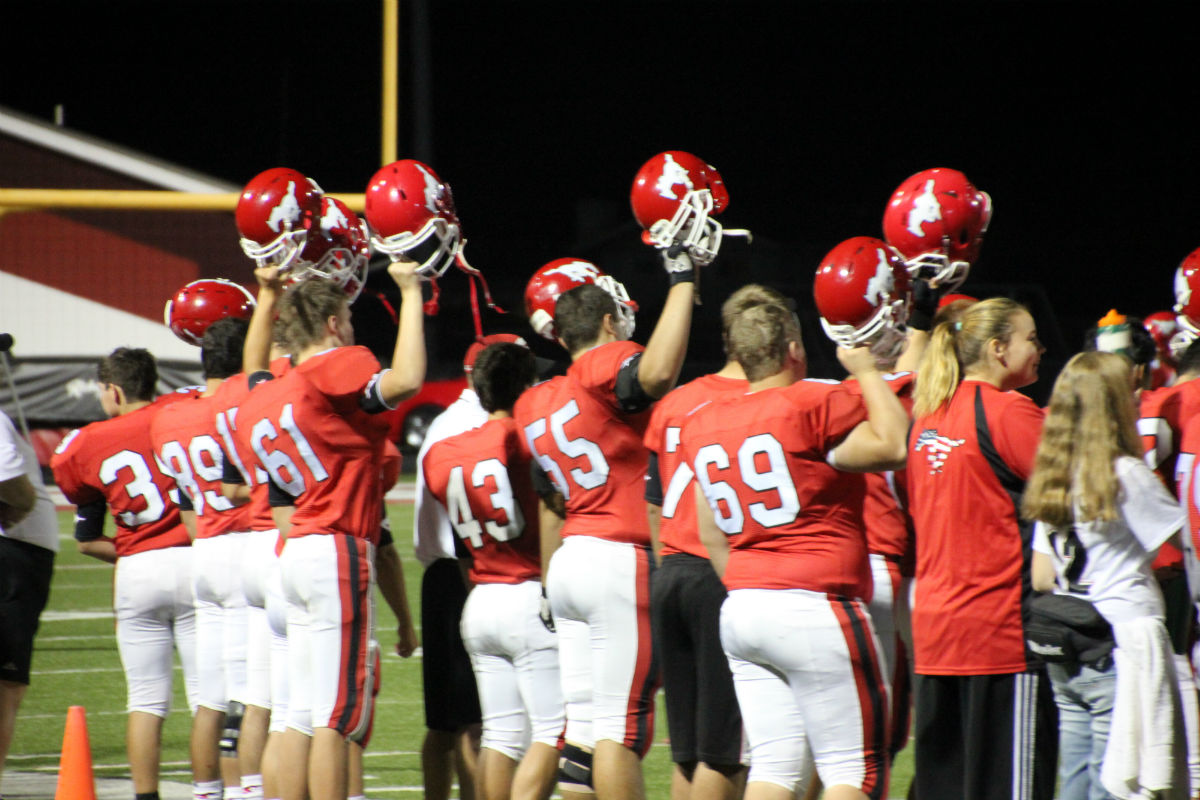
(80, 638)
(60, 715)
(72, 616)
(91, 671)
(97, 565)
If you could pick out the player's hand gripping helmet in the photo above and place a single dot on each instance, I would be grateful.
(674, 196)
(274, 213)
(336, 249)
(936, 219)
(564, 274)
(411, 214)
(1187, 303)
(201, 303)
(862, 295)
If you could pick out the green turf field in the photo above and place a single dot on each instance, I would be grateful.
(76, 663)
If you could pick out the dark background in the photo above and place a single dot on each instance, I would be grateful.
(1078, 119)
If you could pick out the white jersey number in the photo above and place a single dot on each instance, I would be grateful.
(279, 465)
(771, 476)
(465, 524)
(597, 473)
(142, 486)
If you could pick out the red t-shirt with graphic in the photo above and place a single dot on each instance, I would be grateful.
(972, 572)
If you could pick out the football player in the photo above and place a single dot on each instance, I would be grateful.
(585, 430)
(781, 517)
(110, 465)
(483, 481)
(862, 292)
(318, 433)
(187, 444)
(686, 594)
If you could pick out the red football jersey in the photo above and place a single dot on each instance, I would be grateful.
(482, 478)
(591, 449)
(889, 527)
(971, 554)
(227, 401)
(677, 532)
(1163, 413)
(1187, 479)
(188, 447)
(308, 431)
(113, 460)
(794, 522)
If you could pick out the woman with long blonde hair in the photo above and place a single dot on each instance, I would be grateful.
(1101, 517)
(984, 713)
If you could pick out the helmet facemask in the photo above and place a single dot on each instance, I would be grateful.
(884, 333)
(281, 252)
(434, 247)
(625, 320)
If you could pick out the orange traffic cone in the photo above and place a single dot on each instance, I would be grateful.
(75, 779)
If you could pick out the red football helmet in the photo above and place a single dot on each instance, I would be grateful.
(936, 219)
(563, 274)
(274, 213)
(1187, 303)
(1161, 326)
(201, 303)
(673, 196)
(411, 213)
(336, 249)
(862, 294)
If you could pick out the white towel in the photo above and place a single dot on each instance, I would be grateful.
(1146, 755)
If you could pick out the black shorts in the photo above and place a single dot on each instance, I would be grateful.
(685, 619)
(965, 744)
(451, 697)
(25, 572)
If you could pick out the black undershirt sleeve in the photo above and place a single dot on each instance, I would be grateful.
(654, 489)
(230, 473)
(258, 377)
(89, 521)
(630, 395)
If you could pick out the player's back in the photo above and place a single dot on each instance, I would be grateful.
(591, 448)
(188, 446)
(482, 477)
(308, 431)
(113, 460)
(795, 522)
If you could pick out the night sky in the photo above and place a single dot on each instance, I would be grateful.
(1078, 119)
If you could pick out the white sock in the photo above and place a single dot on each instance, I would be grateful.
(206, 790)
(252, 787)
(233, 793)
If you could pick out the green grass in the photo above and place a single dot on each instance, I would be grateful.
(76, 663)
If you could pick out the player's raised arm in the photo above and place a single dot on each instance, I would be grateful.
(408, 359)
(878, 443)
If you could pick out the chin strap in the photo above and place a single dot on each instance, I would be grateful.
(476, 277)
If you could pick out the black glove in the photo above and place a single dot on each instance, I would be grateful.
(544, 611)
(925, 299)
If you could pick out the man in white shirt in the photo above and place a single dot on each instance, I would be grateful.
(28, 542)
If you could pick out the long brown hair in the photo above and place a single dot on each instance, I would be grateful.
(1091, 421)
(956, 345)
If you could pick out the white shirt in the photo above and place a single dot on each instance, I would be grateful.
(40, 527)
(1110, 565)
(433, 536)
